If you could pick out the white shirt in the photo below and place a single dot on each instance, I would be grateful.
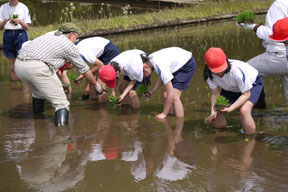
(278, 10)
(92, 48)
(7, 12)
(131, 64)
(239, 79)
(169, 60)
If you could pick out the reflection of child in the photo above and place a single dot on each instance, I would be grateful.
(14, 19)
(175, 67)
(129, 63)
(240, 83)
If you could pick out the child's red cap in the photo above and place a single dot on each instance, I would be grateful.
(107, 74)
(280, 30)
(215, 59)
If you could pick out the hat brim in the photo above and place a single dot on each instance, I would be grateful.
(279, 40)
(111, 84)
(219, 69)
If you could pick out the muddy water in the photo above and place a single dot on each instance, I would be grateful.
(104, 149)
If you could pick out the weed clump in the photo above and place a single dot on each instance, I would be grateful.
(246, 17)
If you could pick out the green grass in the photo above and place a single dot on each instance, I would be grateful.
(122, 23)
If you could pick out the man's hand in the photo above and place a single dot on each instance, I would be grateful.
(247, 26)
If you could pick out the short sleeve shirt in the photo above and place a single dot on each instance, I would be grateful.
(169, 60)
(92, 48)
(7, 12)
(131, 64)
(239, 79)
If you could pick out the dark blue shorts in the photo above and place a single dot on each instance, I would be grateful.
(12, 42)
(255, 92)
(137, 84)
(183, 76)
(110, 51)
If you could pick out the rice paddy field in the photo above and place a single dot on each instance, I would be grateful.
(108, 149)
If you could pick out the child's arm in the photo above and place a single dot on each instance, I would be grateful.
(156, 86)
(238, 103)
(3, 23)
(24, 25)
(169, 101)
(214, 94)
(127, 89)
(97, 66)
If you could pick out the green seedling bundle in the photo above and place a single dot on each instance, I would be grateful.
(112, 101)
(141, 90)
(71, 76)
(246, 17)
(221, 103)
(14, 16)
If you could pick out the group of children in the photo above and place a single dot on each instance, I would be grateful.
(238, 81)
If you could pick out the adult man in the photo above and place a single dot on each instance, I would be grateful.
(36, 65)
(273, 61)
(14, 19)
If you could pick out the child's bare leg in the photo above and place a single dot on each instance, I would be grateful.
(134, 99)
(178, 107)
(87, 88)
(11, 66)
(102, 98)
(248, 122)
(164, 97)
(220, 121)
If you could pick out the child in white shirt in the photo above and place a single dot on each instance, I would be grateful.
(239, 82)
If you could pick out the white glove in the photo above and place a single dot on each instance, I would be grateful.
(247, 26)
(99, 88)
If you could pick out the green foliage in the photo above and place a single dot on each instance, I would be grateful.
(221, 101)
(140, 90)
(71, 76)
(245, 16)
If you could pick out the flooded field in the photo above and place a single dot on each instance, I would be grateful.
(104, 149)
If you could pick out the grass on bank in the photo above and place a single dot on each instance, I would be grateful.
(91, 27)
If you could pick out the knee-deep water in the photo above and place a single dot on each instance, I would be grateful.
(107, 149)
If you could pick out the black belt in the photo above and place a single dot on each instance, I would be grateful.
(14, 30)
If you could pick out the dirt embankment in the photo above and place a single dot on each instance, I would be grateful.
(167, 24)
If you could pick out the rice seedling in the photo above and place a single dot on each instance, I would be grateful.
(221, 103)
(246, 17)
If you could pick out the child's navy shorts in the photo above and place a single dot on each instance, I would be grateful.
(12, 42)
(137, 84)
(110, 51)
(183, 76)
(255, 92)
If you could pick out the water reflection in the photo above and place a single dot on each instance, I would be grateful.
(228, 153)
(171, 168)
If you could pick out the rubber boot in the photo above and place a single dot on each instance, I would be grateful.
(61, 117)
(38, 105)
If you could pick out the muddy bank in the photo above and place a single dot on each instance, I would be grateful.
(155, 25)
(167, 24)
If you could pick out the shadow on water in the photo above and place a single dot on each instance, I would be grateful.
(128, 150)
